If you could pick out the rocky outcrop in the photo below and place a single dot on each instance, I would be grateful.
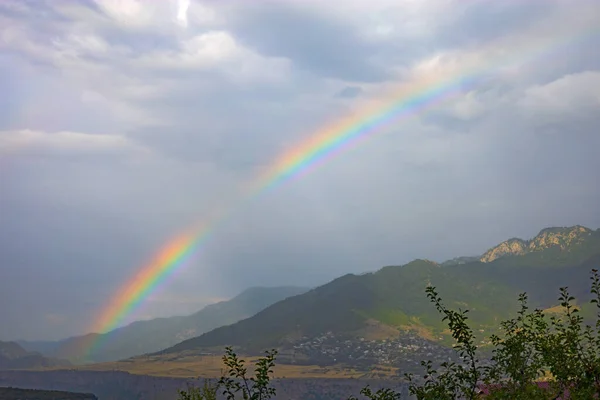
(563, 238)
(513, 247)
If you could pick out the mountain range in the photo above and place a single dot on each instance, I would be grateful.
(392, 300)
(153, 335)
(14, 356)
(383, 304)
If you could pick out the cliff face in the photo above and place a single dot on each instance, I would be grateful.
(514, 247)
(563, 238)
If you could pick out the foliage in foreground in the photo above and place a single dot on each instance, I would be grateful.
(236, 383)
(207, 392)
(561, 350)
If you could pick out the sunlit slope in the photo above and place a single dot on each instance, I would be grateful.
(395, 295)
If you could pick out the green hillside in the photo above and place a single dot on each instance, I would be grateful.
(152, 335)
(395, 295)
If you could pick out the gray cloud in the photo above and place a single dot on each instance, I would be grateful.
(323, 46)
(350, 91)
(487, 20)
(124, 126)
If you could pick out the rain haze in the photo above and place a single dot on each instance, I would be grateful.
(123, 123)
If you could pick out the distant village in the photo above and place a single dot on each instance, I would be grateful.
(405, 352)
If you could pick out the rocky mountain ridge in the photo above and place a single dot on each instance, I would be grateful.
(394, 296)
(561, 237)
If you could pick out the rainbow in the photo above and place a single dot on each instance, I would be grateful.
(410, 99)
(147, 278)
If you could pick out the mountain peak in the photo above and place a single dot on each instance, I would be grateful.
(11, 350)
(572, 231)
(561, 237)
(14, 356)
(391, 301)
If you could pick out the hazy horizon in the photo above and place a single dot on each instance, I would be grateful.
(218, 300)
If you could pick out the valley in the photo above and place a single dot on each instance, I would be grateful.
(355, 329)
(118, 385)
(324, 356)
(392, 300)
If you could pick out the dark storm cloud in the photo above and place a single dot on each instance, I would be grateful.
(239, 128)
(223, 129)
(323, 46)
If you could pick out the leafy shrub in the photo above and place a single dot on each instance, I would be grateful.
(535, 358)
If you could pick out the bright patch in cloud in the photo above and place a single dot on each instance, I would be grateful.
(182, 10)
(37, 142)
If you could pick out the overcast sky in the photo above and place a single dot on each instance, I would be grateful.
(122, 122)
